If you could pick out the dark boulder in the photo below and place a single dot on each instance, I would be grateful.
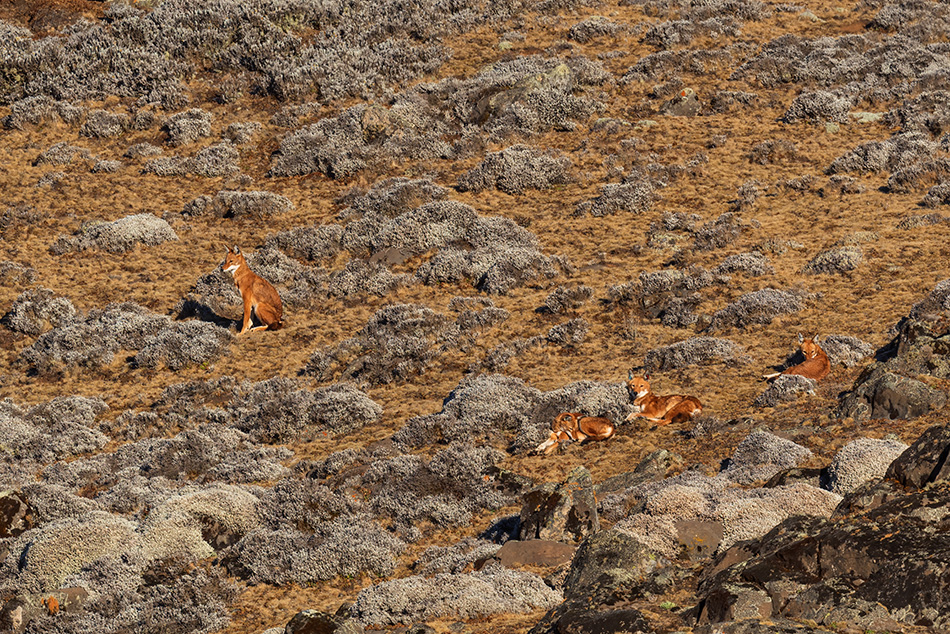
(922, 347)
(16, 514)
(317, 622)
(16, 614)
(868, 496)
(651, 469)
(874, 570)
(563, 512)
(753, 626)
(612, 563)
(609, 568)
(880, 393)
(925, 461)
(578, 621)
(799, 475)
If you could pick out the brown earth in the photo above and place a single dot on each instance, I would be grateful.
(900, 266)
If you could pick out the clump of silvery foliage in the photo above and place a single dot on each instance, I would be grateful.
(117, 236)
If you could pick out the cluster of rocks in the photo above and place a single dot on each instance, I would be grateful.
(753, 550)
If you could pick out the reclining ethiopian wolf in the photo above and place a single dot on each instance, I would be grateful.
(662, 410)
(576, 427)
(815, 366)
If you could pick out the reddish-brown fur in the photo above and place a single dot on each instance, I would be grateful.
(816, 364)
(256, 292)
(662, 410)
(52, 605)
(574, 426)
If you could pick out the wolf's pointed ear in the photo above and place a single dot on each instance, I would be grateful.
(629, 375)
(646, 377)
(801, 338)
(815, 338)
(237, 250)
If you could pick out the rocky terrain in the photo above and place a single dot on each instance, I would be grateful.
(478, 214)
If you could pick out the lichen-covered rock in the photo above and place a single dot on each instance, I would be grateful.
(117, 236)
(317, 622)
(757, 307)
(563, 512)
(836, 260)
(761, 455)
(845, 350)
(786, 388)
(460, 596)
(876, 567)
(860, 461)
(608, 567)
(884, 394)
(536, 553)
(694, 351)
(925, 461)
(36, 310)
(43, 558)
(16, 514)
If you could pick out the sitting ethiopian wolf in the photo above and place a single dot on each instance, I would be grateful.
(661, 410)
(256, 292)
(572, 426)
(815, 366)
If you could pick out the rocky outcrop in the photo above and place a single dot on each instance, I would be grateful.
(925, 461)
(883, 394)
(16, 514)
(921, 347)
(317, 622)
(609, 568)
(17, 613)
(879, 563)
(561, 512)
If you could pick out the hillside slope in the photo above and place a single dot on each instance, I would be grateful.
(478, 214)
